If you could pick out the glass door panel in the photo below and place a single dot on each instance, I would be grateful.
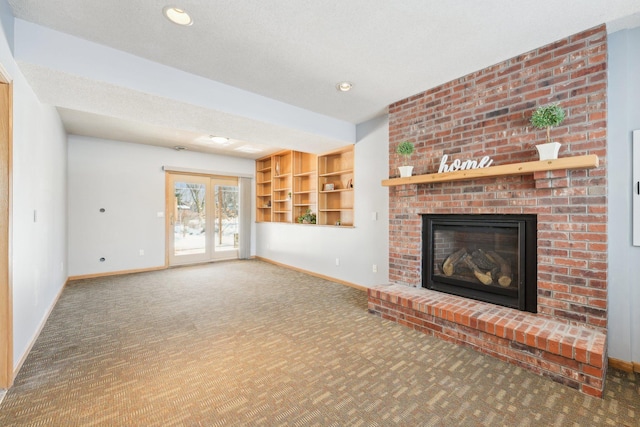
(189, 239)
(203, 213)
(226, 214)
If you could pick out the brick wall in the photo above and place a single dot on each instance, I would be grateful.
(487, 113)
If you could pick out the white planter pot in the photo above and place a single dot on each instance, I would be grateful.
(548, 151)
(405, 171)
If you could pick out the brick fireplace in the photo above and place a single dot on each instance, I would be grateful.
(486, 113)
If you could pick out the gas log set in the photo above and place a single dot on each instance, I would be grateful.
(488, 267)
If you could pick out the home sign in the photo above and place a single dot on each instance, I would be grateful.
(457, 164)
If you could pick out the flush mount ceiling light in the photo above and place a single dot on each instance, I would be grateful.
(249, 149)
(177, 16)
(344, 86)
(219, 139)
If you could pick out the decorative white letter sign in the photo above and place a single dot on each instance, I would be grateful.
(457, 165)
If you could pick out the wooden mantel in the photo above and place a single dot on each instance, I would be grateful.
(589, 161)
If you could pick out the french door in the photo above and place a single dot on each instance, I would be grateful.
(202, 218)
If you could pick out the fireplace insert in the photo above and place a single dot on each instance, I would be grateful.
(491, 258)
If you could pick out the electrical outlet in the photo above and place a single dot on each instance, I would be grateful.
(375, 268)
(337, 261)
(141, 252)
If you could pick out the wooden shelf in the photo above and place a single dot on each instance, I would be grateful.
(338, 190)
(341, 172)
(589, 161)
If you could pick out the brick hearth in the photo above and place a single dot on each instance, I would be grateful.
(486, 113)
(571, 355)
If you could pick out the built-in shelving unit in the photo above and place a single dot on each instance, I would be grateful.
(577, 162)
(289, 183)
(335, 187)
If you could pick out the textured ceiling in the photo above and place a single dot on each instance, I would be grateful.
(295, 51)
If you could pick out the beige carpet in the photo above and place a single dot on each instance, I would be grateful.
(249, 343)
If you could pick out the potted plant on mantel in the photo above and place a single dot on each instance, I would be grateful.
(405, 149)
(548, 116)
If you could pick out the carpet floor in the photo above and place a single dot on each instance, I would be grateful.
(247, 343)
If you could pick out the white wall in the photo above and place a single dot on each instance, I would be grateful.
(39, 186)
(315, 248)
(126, 180)
(624, 258)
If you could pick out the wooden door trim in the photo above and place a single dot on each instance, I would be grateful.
(168, 211)
(6, 291)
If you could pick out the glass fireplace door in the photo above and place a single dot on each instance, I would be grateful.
(485, 257)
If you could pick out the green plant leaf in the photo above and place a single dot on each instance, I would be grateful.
(547, 116)
(405, 148)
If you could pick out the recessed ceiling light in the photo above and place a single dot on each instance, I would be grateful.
(177, 16)
(219, 139)
(344, 86)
